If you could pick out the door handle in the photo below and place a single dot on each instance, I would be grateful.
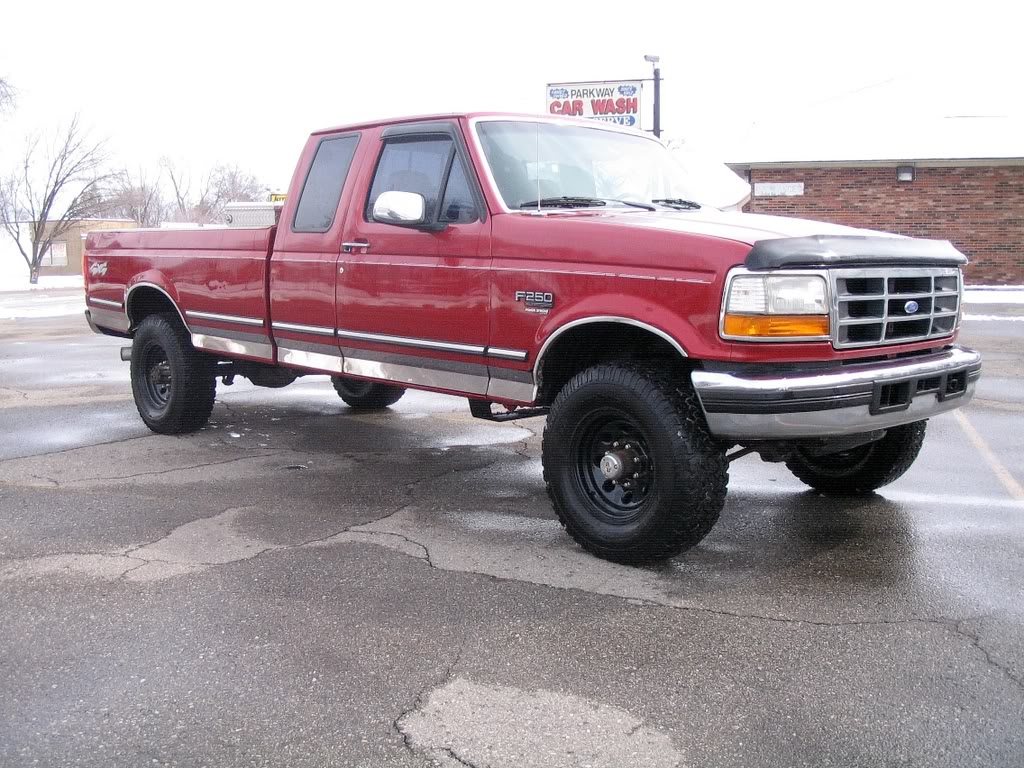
(349, 247)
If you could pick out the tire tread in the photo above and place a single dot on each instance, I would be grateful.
(892, 457)
(192, 409)
(380, 395)
(677, 409)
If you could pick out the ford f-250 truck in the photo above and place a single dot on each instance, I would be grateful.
(551, 266)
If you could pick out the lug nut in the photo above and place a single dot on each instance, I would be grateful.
(636, 475)
(636, 459)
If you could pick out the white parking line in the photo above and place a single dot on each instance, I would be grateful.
(1005, 477)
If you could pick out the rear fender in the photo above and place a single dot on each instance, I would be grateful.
(152, 278)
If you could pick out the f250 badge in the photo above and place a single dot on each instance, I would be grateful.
(97, 268)
(539, 302)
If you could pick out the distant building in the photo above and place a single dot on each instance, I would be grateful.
(958, 179)
(64, 256)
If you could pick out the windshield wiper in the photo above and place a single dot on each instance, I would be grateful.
(575, 201)
(678, 202)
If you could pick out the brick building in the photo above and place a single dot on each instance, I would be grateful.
(969, 190)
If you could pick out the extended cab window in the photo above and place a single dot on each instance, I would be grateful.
(429, 167)
(318, 201)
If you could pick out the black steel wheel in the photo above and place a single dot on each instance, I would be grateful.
(629, 466)
(614, 465)
(158, 376)
(366, 395)
(173, 384)
(863, 469)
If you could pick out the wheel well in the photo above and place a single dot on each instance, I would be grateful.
(145, 301)
(600, 342)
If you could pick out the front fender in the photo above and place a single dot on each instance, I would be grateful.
(666, 320)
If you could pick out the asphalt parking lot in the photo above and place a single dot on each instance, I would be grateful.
(300, 585)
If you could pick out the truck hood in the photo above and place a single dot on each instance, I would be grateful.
(747, 228)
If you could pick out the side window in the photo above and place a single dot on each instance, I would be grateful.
(318, 201)
(458, 205)
(412, 166)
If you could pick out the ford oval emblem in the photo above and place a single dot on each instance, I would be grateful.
(911, 307)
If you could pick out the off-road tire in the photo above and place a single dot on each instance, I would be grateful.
(687, 485)
(366, 395)
(861, 470)
(182, 400)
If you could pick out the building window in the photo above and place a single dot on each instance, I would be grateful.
(905, 173)
(56, 255)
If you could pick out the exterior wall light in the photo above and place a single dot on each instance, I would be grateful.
(905, 173)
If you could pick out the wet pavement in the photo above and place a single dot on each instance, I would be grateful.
(301, 585)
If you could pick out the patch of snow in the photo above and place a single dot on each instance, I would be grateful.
(20, 283)
(34, 306)
(999, 318)
(1010, 294)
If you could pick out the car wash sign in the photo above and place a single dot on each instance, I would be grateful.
(613, 101)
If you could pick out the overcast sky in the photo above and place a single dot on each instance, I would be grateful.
(246, 82)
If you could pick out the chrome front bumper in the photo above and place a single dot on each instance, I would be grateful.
(748, 403)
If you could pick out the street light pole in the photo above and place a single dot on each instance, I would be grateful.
(657, 93)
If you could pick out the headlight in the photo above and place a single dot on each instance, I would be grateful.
(776, 307)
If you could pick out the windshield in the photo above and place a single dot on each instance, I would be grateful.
(533, 161)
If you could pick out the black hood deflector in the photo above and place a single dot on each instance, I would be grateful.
(852, 251)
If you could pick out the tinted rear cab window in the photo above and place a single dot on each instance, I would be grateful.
(318, 201)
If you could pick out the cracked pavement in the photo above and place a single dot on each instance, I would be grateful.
(302, 585)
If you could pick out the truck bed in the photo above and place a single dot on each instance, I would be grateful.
(217, 277)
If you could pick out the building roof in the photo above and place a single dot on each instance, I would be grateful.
(957, 137)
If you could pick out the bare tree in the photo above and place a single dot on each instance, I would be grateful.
(135, 196)
(6, 94)
(230, 184)
(183, 206)
(203, 201)
(65, 177)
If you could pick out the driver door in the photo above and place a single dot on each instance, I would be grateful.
(412, 302)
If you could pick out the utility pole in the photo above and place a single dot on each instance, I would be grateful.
(657, 93)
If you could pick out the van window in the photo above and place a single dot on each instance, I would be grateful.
(321, 193)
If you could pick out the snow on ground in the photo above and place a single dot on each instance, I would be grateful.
(35, 305)
(990, 318)
(996, 294)
(46, 283)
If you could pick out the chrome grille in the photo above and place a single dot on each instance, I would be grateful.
(874, 307)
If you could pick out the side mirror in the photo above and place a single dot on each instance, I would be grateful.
(406, 209)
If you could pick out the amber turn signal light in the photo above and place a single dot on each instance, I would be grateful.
(775, 326)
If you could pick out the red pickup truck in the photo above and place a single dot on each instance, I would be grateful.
(548, 266)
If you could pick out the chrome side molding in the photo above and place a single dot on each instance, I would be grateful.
(216, 316)
(317, 330)
(263, 351)
(405, 341)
